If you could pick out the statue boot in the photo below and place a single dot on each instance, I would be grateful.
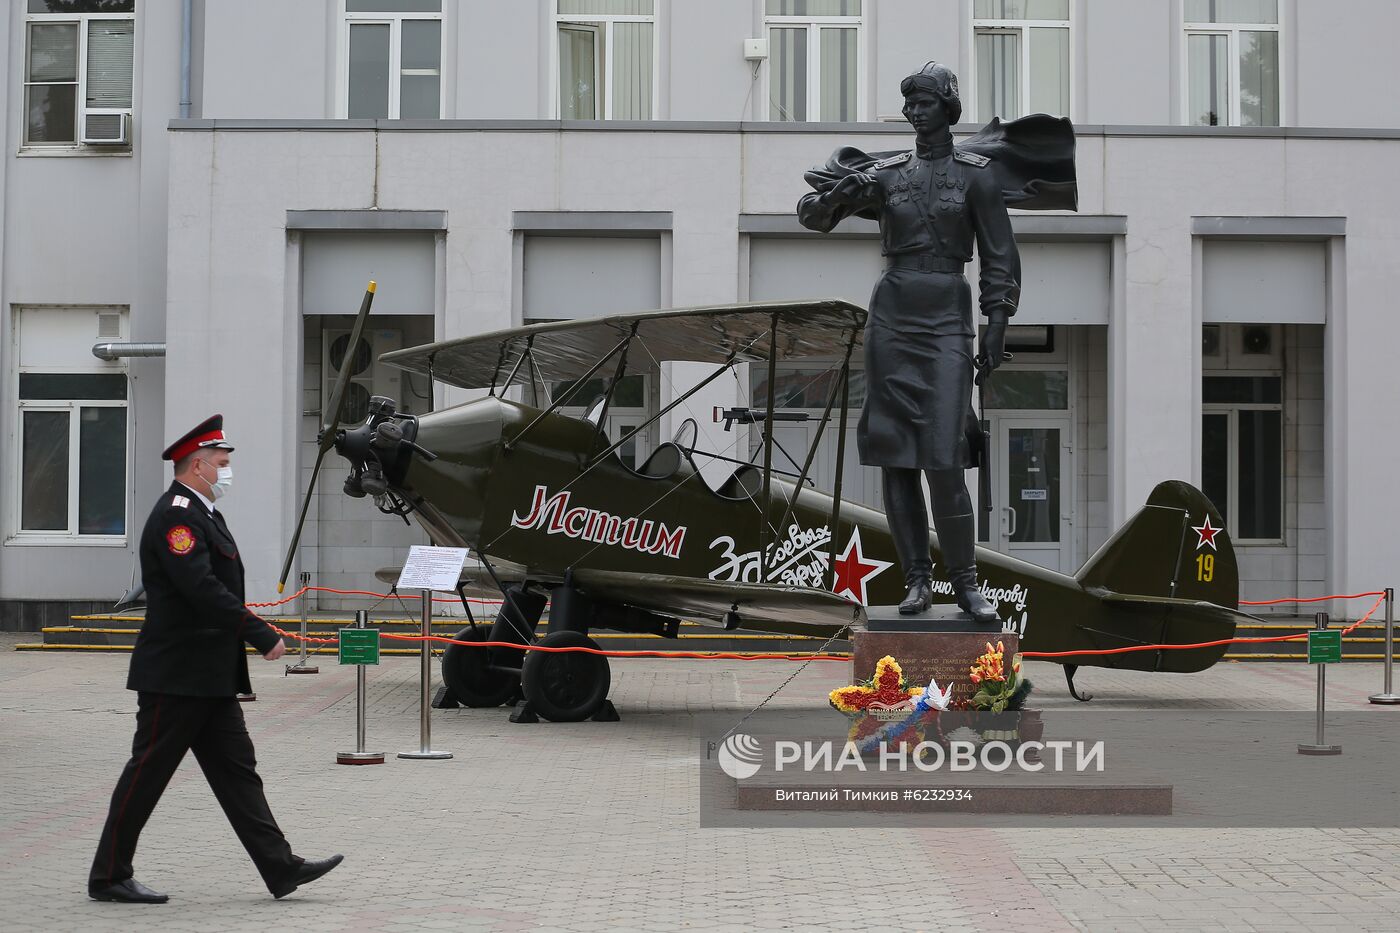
(918, 590)
(957, 540)
(908, 518)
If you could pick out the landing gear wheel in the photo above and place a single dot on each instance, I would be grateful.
(565, 686)
(468, 674)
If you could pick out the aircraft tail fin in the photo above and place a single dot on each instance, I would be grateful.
(1174, 547)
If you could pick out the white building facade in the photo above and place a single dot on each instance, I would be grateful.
(1216, 310)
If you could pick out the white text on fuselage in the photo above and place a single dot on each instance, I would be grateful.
(798, 561)
(553, 515)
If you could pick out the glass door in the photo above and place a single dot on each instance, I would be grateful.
(1032, 505)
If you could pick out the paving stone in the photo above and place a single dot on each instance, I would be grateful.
(595, 826)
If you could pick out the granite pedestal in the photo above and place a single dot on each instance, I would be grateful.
(940, 643)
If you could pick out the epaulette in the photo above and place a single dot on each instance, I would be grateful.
(182, 502)
(970, 158)
(893, 160)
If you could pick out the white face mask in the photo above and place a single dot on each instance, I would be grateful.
(223, 483)
(223, 480)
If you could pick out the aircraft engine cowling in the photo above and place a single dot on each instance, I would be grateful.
(379, 450)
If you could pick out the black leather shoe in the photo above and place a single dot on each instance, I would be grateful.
(919, 598)
(129, 891)
(307, 872)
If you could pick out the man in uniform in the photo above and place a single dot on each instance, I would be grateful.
(187, 668)
(933, 203)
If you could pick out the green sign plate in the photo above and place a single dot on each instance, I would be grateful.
(1325, 647)
(359, 646)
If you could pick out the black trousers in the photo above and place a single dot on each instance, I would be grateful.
(167, 726)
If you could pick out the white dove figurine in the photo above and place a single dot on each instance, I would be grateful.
(933, 698)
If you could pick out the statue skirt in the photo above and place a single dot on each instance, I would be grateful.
(918, 372)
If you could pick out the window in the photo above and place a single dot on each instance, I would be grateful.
(1232, 62)
(72, 470)
(1021, 52)
(1242, 453)
(69, 464)
(77, 72)
(606, 58)
(393, 59)
(813, 60)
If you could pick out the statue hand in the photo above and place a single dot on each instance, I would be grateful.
(851, 188)
(993, 345)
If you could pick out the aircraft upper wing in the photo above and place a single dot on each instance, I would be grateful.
(794, 610)
(566, 350)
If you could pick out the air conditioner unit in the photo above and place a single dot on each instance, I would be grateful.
(107, 129)
(368, 376)
(1256, 346)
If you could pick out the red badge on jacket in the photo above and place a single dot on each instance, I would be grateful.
(180, 539)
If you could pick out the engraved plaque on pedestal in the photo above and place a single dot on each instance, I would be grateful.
(941, 643)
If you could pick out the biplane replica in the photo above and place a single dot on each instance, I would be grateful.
(556, 516)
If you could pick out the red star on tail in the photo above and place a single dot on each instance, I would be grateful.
(1206, 534)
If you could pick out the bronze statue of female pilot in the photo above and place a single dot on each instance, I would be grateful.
(932, 203)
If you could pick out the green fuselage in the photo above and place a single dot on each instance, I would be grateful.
(546, 500)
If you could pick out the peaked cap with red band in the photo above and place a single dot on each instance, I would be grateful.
(209, 433)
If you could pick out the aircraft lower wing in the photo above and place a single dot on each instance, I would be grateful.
(792, 610)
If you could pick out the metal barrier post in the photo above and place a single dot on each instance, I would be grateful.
(359, 756)
(425, 745)
(1388, 696)
(1320, 747)
(301, 666)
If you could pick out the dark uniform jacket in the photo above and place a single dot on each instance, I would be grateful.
(937, 207)
(191, 643)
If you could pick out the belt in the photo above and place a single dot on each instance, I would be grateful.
(924, 262)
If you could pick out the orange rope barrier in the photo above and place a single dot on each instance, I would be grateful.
(736, 656)
(1306, 599)
(380, 596)
(1214, 644)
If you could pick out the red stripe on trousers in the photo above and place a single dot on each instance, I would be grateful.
(155, 726)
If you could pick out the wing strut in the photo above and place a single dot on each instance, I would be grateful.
(719, 371)
(554, 404)
(616, 381)
(836, 390)
(768, 451)
(529, 341)
(835, 523)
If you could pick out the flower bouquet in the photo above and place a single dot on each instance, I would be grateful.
(999, 692)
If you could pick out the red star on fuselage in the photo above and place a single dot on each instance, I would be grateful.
(1206, 534)
(854, 569)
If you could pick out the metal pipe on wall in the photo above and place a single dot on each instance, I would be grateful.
(116, 351)
(186, 38)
